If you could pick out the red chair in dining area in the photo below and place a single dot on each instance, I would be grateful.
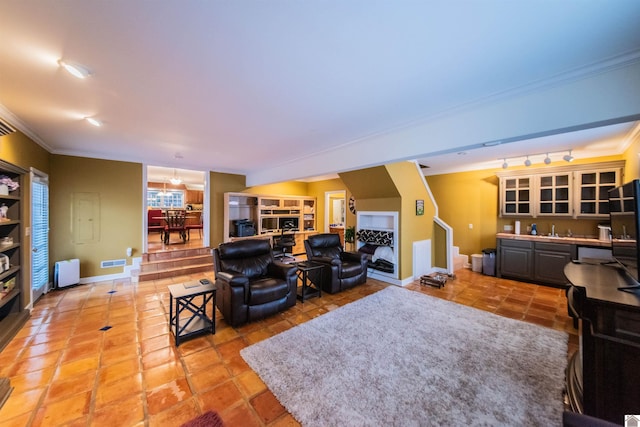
(155, 222)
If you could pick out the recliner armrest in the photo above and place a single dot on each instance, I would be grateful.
(232, 278)
(326, 260)
(353, 256)
(281, 270)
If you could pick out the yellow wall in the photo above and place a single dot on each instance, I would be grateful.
(21, 151)
(119, 188)
(468, 198)
(318, 189)
(632, 160)
(413, 227)
(395, 188)
(289, 188)
(221, 183)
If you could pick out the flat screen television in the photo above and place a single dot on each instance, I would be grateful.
(289, 223)
(624, 211)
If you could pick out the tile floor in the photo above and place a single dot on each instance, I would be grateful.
(67, 372)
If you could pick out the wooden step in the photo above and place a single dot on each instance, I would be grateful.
(166, 264)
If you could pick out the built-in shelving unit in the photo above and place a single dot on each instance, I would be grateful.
(12, 313)
(269, 216)
(385, 225)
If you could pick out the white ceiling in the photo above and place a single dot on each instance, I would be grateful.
(246, 85)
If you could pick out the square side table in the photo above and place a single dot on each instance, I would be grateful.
(194, 298)
(308, 289)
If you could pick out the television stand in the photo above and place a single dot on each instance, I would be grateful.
(610, 342)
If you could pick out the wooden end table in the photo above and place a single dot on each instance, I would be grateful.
(193, 297)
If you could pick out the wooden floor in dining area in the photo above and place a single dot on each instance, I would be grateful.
(68, 372)
(155, 243)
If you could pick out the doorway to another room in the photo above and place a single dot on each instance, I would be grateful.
(334, 213)
(176, 209)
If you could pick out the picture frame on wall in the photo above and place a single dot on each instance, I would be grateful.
(419, 207)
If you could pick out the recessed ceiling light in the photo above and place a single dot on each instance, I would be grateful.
(492, 143)
(93, 121)
(75, 69)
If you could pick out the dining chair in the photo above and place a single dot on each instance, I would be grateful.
(198, 227)
(175, 222)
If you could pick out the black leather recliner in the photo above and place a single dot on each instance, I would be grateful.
(250, 284)
(343, 270)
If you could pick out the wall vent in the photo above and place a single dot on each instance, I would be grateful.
(113, 263)
(5, 129)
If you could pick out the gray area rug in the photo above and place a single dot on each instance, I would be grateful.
(402, 358)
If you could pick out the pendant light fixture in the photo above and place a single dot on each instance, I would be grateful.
(547, 159)
(505, 164)
(164, 191)
(176, 179)
(527, 162)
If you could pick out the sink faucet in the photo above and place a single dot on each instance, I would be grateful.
(553, 229)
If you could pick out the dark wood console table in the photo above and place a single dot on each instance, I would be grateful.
(607, 371)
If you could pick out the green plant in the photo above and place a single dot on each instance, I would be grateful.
(350, 234)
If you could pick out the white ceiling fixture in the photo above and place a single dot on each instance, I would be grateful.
(93, 121)
(75, 69)
(175, 180)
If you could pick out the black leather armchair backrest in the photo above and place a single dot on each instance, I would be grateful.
(325, 245)
(250, 257)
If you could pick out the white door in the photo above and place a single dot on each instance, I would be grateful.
(39, 234)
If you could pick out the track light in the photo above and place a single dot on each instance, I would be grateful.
(75, 69)
(546, 159)
(568, 157)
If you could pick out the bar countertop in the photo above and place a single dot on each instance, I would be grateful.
(581, 241)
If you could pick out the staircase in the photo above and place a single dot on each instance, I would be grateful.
(165, 264)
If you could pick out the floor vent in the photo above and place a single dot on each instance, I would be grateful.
(113, 263)
(5, 129)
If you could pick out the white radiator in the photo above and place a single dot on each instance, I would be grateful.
(66, 273)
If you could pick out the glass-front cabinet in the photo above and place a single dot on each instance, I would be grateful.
(554, 194)
(579, 191)
(594, 189)
(516, 196)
